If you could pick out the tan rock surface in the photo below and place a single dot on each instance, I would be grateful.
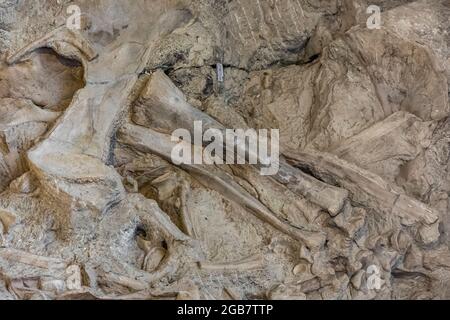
(92, 205)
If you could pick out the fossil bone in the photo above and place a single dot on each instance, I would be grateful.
(186, 217)
(161, 94)
(250, 263)
(379, 194)
(148, 140)
(68, 43)
(31, 259)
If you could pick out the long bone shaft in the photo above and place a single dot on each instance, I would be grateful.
(71, 163)
(164, 106)
(150, 141)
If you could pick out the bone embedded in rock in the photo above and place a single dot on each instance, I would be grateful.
(7, 220)
(25, 184)
(69, 43)
(124, 281)
(87, 182)
(286, 292)
(55, 286)
(231, 293)
(16, 112)
(383, 196)
(429, 234)
(327, 196)
(162, 94)
(150, 141)
(251, 263)
(186, 217)
(160, 218)
(192, 294)
(21, 124)
(18, 256)
(85, 131)
(154, 258)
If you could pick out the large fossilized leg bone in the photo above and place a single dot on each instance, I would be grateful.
(164, 106)
(150, 141)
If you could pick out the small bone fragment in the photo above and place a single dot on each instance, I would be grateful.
(154, 258)
(6, 220)
(358, 279)
(251, 263)
(31, 259)
(413, 259)
(428, 234)
(74, 280)
(351, 220)
(124, 281)
(131, 185)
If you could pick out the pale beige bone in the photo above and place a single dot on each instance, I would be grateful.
(7, 220)
(367, 188)
(150, 141)
(71, 163)
(192, 293)
(66, 42)
(23, 257)
(251, 263)
(25, 184)
(161, 93)
(109, 277)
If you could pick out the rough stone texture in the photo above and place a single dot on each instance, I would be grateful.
(92, 206)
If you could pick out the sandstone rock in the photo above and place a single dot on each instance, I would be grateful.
(92, 205)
